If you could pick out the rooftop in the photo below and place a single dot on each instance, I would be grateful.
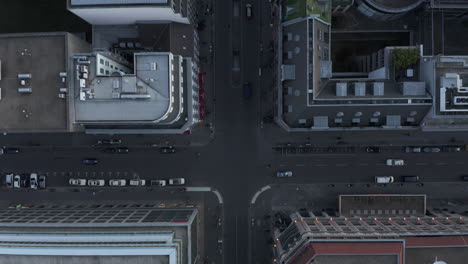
(43, 56)
(305, 8)
(382, 205)
(115, 2)
(394, 4)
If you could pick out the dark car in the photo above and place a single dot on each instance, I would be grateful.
(372, 149)
(24, 180)
(431, 149)
(42, 181)
(121, 150)
(410, 178)
(167, 150)
(465, 177)
(247, 90)
(109, 142)
(413, 149)
(10, 151)
(90, 161)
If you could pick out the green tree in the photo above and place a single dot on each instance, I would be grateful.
(404, 58)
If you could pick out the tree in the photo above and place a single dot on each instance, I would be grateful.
(404, 58)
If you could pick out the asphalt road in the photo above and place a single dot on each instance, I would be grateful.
(236, 161)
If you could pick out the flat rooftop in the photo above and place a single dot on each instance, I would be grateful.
(350, 259)
(394, 4)
(43, 56)
(7, 259)
(115, 2)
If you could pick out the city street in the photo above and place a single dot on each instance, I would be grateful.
(239, 158)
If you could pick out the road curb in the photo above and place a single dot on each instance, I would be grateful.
(206, 189)
(257, 194)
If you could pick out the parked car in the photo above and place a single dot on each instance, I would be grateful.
(395, 162)
(10, 150)
(117, 182)
(384, 179)
(431, 149)
(167, 150)
(372, 149)
(77, 182)
(137, 182)
(247, 90)
(33, 183)
(96, 182)
(410, 178)
(452, 149)
(16, 181)
(42, 181)
(121, 150)
(283, 174)
(465, 177)
(177, 181)
(235, 60)
(90, 161)
(9, 180)
(24, 180)
(160, 183)
(109, 142)
(413, 149)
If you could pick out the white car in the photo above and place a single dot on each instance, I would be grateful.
(33, 181)
(282, 174)
(77, 182)
(96, 182)
(16, 181)
(136, 182)
(395, 162)
(117, 182)
(177, 181)
(384, 179)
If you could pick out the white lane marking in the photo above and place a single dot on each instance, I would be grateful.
(300, 165)
(423, 164)
(282, 165)
(342, 164)
(441, 163)
(321, 165)
(363, 164)
(380, 164)
(460, 163)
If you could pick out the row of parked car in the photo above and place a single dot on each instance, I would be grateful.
(24, 180)
(123, 182)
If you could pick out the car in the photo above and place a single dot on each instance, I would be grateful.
(9, 180)
(177, 181)
(248, 11)
(117, 182)
(109, 142)
(77, 182)
(42, 181)
(465, 177)
(410, 178)
(24, 180)
(283, 174)
(121, 150)
(220, 246)
(137, 182)
(10, 150)
(395, 162)
(33, 181)
(431, 149)
(167, 150)
(90, 161)
(236, 60)
(160, 183)
(16, 181)
(384, 179)
(247, 90)
(96, 182)
(372, 149)
(413, 149)
(452, 149)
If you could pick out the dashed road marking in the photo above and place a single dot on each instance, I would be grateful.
(363, 164)
(422, 164)
(441, 163)
(460, 163)
(321, 165)
(342, 164)
(300, 165)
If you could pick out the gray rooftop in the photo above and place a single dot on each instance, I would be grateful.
(115, 2)
(355, 259)
(382, 205)
(44, 56)
(15, 259)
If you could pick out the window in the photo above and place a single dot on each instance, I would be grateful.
(112, 66)
(101, 71)
(107, 72)
(101, 61)
(107, 63)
